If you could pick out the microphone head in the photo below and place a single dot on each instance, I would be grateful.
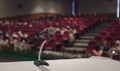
(51, 30)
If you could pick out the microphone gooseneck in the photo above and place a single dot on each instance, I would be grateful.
(40, 62)
(47, 32)
(40, 50)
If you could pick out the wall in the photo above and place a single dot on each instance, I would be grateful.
(97, 6)
(66, 7)
(10, 8)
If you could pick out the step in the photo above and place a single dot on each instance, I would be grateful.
(91, 34)
(75, 48)
(63, 54)
(80, 44)
(102, 26)
(94, 30)
(98, 29)
(87, 37)
(82, 40)
(78, 50)
(97, 32)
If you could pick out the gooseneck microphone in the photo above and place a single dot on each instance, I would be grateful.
(47, 32)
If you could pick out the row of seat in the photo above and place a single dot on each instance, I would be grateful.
(79, 23)
(111, 33)
(31, 27)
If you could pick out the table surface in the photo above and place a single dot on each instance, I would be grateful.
(83, 64)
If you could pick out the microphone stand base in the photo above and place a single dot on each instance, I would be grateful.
(40, 63)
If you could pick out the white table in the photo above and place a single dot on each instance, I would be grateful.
(83, 64)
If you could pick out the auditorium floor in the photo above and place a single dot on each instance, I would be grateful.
(6, 59)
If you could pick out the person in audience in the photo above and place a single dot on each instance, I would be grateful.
(62, 30)
(21, 34)
(15, 44)
(25, 36)
(101, 49)
(20, 44)
(11, 41)
(26, 46)
(3, 41)
(15, 34)
(115, 50)
(71, 34)
(1, 32)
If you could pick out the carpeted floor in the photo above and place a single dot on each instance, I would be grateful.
(6, 59)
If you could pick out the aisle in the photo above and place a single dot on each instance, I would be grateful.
(81, 44)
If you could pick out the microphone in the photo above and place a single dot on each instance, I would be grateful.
(47, 32)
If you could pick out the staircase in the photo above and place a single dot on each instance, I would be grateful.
(81, 44)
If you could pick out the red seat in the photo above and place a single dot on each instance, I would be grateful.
(66, 38)
(58, 41)
(90, 47)
(50, 45)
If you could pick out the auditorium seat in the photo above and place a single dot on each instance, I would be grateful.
(50, 45)
(90, 47)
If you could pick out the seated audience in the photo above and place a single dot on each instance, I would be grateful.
(101, 49)
(115, 50)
